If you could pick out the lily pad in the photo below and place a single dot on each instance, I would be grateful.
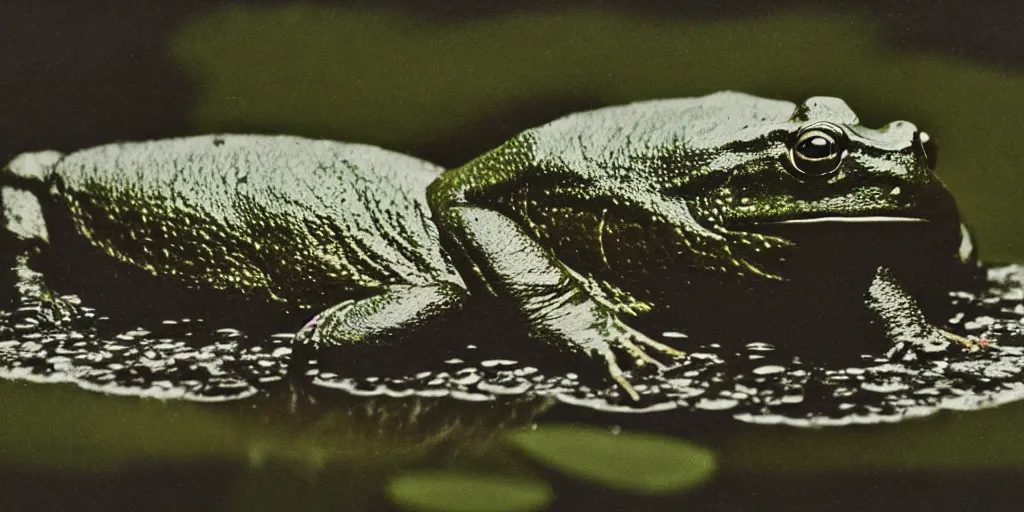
(456, 492)
(641, 463)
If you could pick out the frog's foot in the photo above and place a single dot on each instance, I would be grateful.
(912, 336)
(36, 304)
(635, 345)
(967, 344)
(399, 312)
(933, 343)
(312, 333)
(50, 313)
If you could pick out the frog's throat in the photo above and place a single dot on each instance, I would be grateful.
(848, 220)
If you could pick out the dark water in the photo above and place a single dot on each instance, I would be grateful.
(186, 359)
(229, 419)
(435, 432)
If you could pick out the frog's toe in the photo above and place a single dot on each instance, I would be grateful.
(307, 335)
(641, 359)
(615, 371)
(313, 332)
(636, 348)
(934, 344)
(661, 347)
(639, 349)
(50, 311)
(967, 344)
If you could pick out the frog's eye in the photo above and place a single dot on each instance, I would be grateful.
(818, 149)
(926, 145)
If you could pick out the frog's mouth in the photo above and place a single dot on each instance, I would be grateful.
(834, 219)
(826, 245)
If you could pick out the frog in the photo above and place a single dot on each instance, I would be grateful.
(696, 209)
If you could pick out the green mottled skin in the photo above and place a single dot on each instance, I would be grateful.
(573, 225)
(282, 217)
(622, 194)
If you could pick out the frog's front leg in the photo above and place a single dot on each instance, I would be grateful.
(557, 308)
(911, 334)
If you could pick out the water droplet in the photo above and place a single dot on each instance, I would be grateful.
(769, 369)
(718, 404)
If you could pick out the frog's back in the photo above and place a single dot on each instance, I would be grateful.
(300, 221)
(613, 135)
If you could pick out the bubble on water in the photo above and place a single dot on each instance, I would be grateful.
(768, 369)
(717, 404)
(497, 362)
(184, 360)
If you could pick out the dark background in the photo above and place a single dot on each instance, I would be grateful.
(77, 74)
(445, 81)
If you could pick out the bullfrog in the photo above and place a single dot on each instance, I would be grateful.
(703, 210)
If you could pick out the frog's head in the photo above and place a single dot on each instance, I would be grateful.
(819, 165)
(800, 172)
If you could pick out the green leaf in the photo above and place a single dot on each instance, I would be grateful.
(456, 492)
(640, 463)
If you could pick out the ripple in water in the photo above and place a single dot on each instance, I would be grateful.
(178, 359)
(184, 359)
